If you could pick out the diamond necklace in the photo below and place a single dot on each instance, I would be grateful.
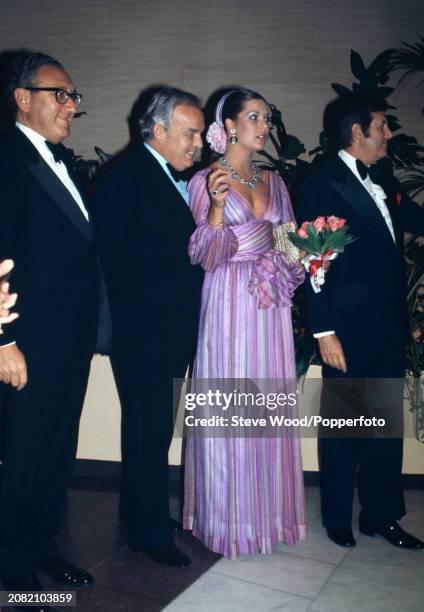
(251, 183)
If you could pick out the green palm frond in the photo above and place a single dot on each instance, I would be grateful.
(410, 60)
(413, 181)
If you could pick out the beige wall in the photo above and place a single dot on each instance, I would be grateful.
(100, 426)
(289, 50)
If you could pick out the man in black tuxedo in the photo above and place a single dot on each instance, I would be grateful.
(144, 226)
(46, 229)
(360, 319)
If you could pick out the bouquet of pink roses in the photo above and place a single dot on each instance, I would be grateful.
(322, 240)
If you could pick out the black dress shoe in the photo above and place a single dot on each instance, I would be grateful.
(23, 584)
(392, 532)
(63, 571)
(341, 537)
(168, 556)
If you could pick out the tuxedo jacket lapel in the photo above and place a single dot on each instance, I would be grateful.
(348, 186)
(179, 207)
(168, 195)
(50, 183)
(393, 209)
(61, 196)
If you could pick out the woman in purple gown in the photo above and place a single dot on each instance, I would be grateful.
(243, 494)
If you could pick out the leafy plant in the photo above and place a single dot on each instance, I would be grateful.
(288, 148)
(410, 60)
(413, 181)
(85, 170)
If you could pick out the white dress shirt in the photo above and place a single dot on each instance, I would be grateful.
(375, 191)
(181, 185)
(58, 168)
(377, 194)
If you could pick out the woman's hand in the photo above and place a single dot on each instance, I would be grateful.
(218, 187)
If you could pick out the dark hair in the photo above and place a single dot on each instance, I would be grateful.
(161, 107)
(235, 102)
(22, 72)
(343, 112)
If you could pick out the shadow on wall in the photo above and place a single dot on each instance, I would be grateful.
(138, 109)
(6, 116)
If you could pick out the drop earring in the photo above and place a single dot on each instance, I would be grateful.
(233, 137)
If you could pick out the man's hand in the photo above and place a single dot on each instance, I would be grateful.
(7, 300)
(332, 352)
(13, 368)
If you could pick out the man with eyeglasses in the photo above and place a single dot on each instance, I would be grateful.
(45, 354)
(61, 95)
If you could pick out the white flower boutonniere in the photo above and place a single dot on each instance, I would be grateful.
(379, 192)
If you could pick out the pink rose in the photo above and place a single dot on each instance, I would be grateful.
(301, 232)
(306, 224)
(335, 223)
(319, 224)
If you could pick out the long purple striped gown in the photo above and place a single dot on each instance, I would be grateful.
(243, 495)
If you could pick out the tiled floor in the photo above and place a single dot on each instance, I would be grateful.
(316, 575)
(93, 537)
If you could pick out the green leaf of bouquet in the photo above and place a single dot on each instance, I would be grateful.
(339, 239)
(297, 241)
(315, 240)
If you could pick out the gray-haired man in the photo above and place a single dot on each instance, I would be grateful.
(144, 226)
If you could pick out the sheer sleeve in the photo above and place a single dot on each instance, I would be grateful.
(286, 212)
(208, 247)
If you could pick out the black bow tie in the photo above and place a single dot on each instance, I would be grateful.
(59, 152)
(362, 169)
(177, 175)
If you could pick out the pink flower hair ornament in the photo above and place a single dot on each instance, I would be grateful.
(216, 135)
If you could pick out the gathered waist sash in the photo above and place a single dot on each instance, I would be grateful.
(254, 238)
(271, 280)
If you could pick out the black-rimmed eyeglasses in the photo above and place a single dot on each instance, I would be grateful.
(62, 96)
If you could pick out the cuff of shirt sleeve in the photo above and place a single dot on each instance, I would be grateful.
(8, 344)
(322, 334)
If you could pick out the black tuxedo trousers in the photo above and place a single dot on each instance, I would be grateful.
(149, 401)
(364, 302)
(41, 424)
(378, 460)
